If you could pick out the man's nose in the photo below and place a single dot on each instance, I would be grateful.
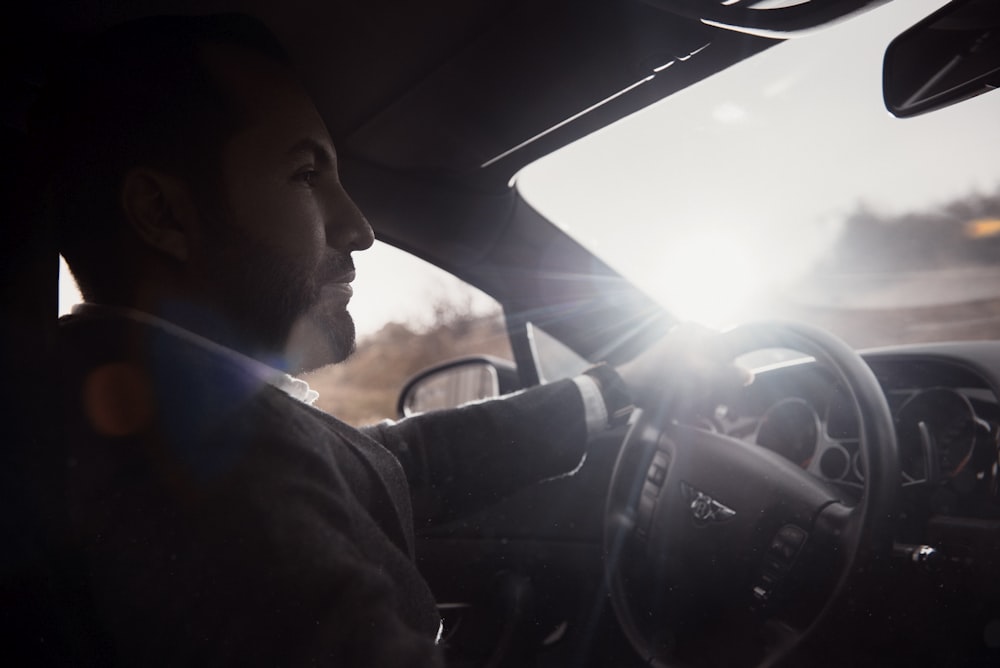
(347, 228)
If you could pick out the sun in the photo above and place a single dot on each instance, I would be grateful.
(709, 279)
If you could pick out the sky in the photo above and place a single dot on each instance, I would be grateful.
(735, 185)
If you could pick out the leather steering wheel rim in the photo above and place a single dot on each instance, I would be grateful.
(637, 528)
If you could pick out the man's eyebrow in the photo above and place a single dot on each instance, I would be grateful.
(320, 151)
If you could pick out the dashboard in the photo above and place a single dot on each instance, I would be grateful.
(946, 412)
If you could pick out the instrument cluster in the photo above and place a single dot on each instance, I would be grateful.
(940, 432)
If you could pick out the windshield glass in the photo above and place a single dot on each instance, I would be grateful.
(782, 187)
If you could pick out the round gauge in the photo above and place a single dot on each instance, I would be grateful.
(834, 463)
(790, 428)
(936, 430)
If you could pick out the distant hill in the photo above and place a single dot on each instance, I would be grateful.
(964, 232)
(929, 275)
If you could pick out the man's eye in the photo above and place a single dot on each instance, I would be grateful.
(308, 176)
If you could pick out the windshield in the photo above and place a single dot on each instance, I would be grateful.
(782, 187)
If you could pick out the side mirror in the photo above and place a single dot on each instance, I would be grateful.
(457, 382)
(951, 55)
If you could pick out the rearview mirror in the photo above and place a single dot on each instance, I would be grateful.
(951, 55)
(457, 382)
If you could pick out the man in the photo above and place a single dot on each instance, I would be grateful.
(216, 517)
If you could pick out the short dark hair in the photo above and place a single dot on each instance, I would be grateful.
(137, 94)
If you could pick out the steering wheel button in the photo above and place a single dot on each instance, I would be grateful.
(773, 567)
(644, 516)
(783, 551)
(657, 471)
(792, 535)
(657, 474)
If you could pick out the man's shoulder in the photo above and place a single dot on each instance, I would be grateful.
(134, 393)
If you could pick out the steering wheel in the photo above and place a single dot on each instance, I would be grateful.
(719, 552)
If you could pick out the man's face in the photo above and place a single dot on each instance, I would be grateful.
(279, 260)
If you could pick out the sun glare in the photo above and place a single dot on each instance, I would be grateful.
(708, 279)
(723, 276)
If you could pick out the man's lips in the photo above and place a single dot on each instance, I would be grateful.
(347, 277)
(341, 286)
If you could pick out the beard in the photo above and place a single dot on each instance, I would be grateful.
(277, 305)
(323, 335)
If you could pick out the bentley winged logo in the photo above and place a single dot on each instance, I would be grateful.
(704, 508)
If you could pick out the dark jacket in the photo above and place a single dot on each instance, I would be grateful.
(219, 521)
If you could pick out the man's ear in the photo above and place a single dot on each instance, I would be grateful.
(159, 209)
